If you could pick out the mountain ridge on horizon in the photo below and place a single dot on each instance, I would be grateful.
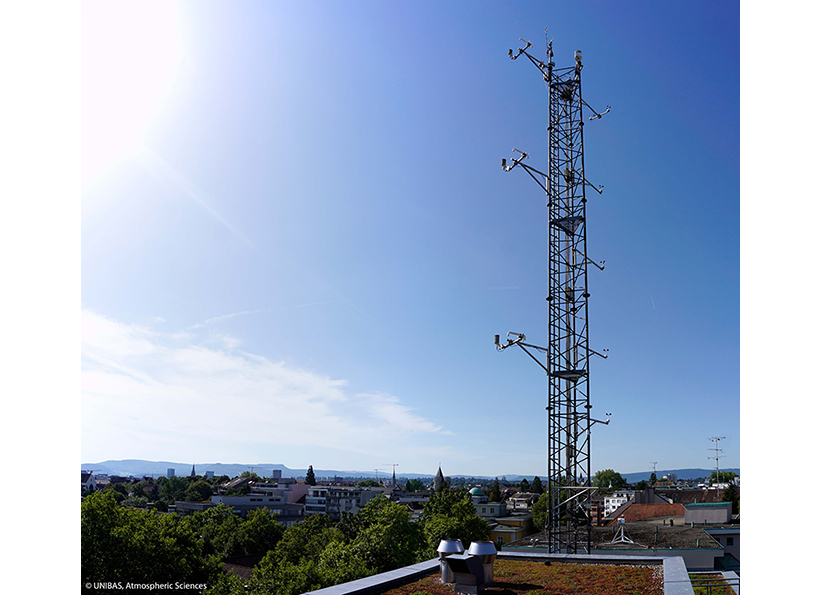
(141, 467)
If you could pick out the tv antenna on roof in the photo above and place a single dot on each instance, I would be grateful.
(716, 456)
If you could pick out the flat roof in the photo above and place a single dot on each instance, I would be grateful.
(644, 536)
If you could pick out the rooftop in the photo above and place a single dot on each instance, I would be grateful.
(514, 577)
(640, 512)
(537, 573)
(644, 536)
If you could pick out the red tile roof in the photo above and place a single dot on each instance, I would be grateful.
(640, 512)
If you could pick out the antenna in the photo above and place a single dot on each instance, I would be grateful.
(566, 359)
(716, 456)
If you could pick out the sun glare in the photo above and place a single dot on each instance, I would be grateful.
(130, 54)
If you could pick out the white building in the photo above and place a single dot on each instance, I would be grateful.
(87, 482)
(335, 500)
(611, 503)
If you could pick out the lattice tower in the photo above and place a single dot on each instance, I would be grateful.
(567, 357)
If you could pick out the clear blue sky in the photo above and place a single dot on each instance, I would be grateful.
(298, 243)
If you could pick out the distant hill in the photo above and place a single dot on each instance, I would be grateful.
(680, 474)
(140, 468)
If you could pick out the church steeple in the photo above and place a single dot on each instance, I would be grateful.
(438, 479)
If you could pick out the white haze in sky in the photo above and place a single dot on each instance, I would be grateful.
(211, 401)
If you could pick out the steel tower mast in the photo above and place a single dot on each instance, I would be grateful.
(567, 366)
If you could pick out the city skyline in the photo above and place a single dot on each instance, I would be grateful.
(298, 243)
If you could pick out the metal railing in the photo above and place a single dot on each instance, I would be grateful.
(714, 585)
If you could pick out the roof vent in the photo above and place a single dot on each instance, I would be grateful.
(448, 547)
(474, 570)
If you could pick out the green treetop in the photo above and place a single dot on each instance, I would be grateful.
(609, 479)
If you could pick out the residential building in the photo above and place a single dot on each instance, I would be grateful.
(87, 482)
(512, 527)
(334, 500)
(281, 498)
(315, 500)
(612, 503)
(285, 513)
(597, 510)
(708, 513)
(414, 501)
(522, 501)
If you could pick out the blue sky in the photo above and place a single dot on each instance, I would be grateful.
(298, 243)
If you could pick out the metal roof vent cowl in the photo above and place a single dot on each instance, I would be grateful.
(448, 547)
(473, 570)
(486, 551)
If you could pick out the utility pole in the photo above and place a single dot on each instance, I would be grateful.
(567, 356)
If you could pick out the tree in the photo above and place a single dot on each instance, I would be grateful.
(368, 483)
(306, 539)
(220, 529)
(539, 512)
(259, 532)
(495, 495)
(318, 553)
(311, 555)
(387, 538)
(724, 477)
(451, 515)
(309, 476)
(536, 486)
(198, 491)
(135, 502)
(641, 485)
(118, 490)
(172, 489)
(524, 486)
(252, 476)
(609, 479)
(242, 490)
(121, 544)
(414, 485)
(652, 479)
(731, 494)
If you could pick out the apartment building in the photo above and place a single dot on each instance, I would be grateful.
(334, 500)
